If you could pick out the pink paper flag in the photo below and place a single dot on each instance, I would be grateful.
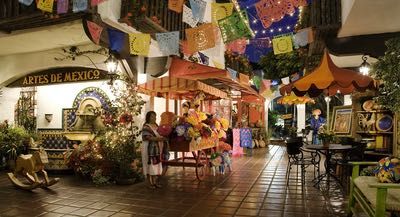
(95, 2)
(237, 46)
(62, 6)
(95, 31)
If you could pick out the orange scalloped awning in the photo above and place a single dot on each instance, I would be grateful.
(293, 99)
(179, 88)
(329, 79)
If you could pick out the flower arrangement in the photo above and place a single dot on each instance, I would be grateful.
(388, 170)
(327, 136)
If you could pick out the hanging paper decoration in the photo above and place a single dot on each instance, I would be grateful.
(218, 65)
(294, 77)
(235, 27)
(265, 85)
(237, 46)
(303, 37)
(220, 10)
(62, 6)
(184, 45)
(45, 5)
(139, 43)
(201, 38)
(116, 39)
(175, 5)
(232, 73)
(188, 17)
(204, 58)
(261, 42)
(168, 42)
(79, 5)
(257, 82)
(95, 30)
(25, 2)
(95, 2)
(282, 44)
(198, 9)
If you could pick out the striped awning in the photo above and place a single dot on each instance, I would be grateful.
(179, 88)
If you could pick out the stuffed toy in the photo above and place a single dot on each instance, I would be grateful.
(216, 162)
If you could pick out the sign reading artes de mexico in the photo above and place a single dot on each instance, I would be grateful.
(60, 76)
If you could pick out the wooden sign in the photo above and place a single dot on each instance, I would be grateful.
(60, 76)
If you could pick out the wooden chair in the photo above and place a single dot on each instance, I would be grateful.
(374, 198)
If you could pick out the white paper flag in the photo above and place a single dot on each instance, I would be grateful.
(188, 16)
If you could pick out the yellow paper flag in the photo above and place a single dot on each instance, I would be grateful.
(282, 45)
(201, 37)
(220, 10)
(218, 65)
(45, 5)
(139, 43)
(176, 5)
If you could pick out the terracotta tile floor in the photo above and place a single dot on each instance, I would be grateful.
(256, 187)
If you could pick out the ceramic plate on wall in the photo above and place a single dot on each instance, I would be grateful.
(368, 105)
(384, 123)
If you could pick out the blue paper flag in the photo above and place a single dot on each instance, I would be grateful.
(25, 2)
(79, 5)
(168, 42)
(204, 59)
(246, 138)
(198, 9)
(116, 39)
(232, 72)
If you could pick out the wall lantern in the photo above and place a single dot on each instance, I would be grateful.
(365, 66)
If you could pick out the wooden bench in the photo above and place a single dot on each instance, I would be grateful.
(374, 198)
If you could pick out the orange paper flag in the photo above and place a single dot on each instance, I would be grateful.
(201, 38)
(176, 5)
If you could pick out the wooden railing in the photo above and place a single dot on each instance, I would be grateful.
(16, 16)
(144, 20)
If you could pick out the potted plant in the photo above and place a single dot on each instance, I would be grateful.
(13, 142)
(325, 135)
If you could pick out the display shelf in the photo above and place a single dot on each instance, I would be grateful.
(374, 111)
(376, 153)
(373, 132)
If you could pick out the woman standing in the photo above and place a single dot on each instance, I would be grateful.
(152, 147)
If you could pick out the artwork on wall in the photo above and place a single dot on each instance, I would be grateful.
(341, 122)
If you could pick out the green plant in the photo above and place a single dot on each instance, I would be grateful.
(387, 69)
(326, 135)
(12, 140)
(282, 65)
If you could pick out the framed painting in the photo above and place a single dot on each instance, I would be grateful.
(341, 120)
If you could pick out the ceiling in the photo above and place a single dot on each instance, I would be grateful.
(44, 38)
(363, 17)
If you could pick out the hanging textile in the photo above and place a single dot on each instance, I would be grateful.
(188, 16)
(175, 5)
(168, 42)
(198, 9)
(237, 150)
(45, 5)
(62, 6)
(116, 39)
(200, 38)
(220, 10)
(139, 44)
(246, 138)
(94, 30)
(79, 5)
(235, 27)
(282, 44)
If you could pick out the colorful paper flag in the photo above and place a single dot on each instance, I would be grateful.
(175, 5)
(79, 5)
(139, 43)
(237, 46)
(282, 44)
(198, 9)
(116, 39)
(218, 64)
(62, 6)
(232, 73)
(261, 42)
(294, 77)
(188, 16)
(25, 2)
(204, 59)
(220, 10)
(303, 37)
(200, 38)
(45, 5)
(95, 2)
(235, 27)
(184, 46)
(95, 31)
(168, 42)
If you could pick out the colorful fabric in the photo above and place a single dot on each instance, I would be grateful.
(235, 27)
(94, 30)
(237, 150)
(79, 5)
(198, 9)
(201, 38)
(45, 5)
(282, 44)
(25, 2)
(175, 5)
(62, 6)
(246, 138)
(168, 42)
(116, 39)
(188, 17)
(388, 170)
(220, 10)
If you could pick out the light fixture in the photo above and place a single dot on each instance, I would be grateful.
(111, 64)
(365, 66)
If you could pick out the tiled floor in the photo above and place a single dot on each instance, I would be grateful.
(256, 187)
